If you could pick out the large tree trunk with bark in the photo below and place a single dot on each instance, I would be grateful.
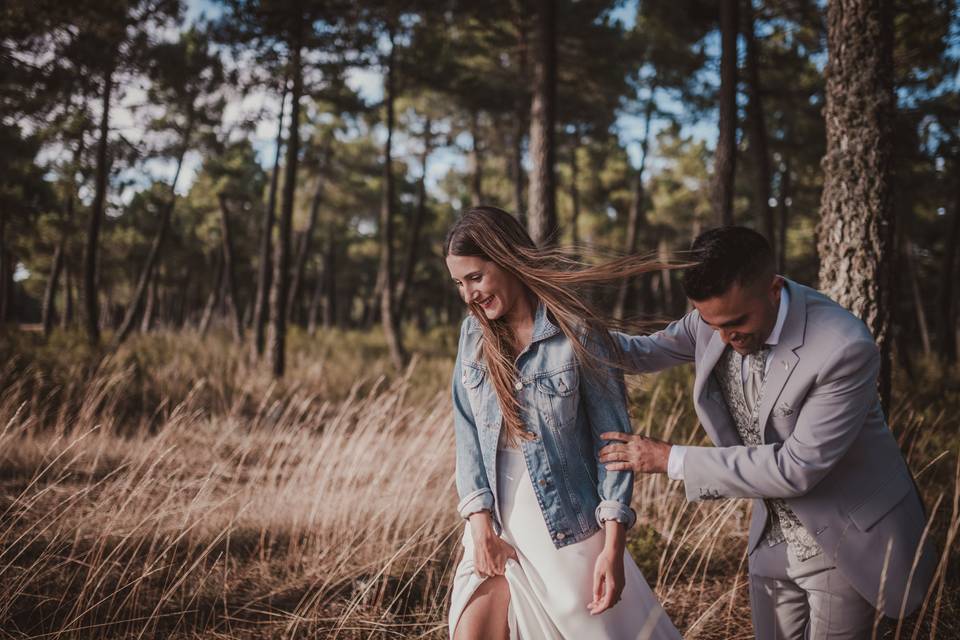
(947, 324)
(724, 168)
(758, 134)
(542, 205)
(281, 262)
(90, 306)
(330, 279)
(388, 316)
(226, 239)
(783, 205)
(66, 318)
(856, 229)
(261, 309)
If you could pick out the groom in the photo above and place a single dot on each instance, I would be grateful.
(786, 389)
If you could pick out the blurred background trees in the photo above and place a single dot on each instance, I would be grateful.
(266, 163)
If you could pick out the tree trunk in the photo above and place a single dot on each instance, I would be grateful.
(918, 299)
(261, 301)
(6, 278)
(476, 160)
(948, 322)
(758, 134)
(784, 209)
(413, 241)
(226, 238)
(388, 315)
(724, 168)
(303, 250)
(542, 205)
(66, 318)
(521, 111)
(50, 291)
(575, 188)
(637, 217)
(146, 324)
(330, 279)
(856, 229)
(281, 262)
(90, 307)
(213, 300)
(315, 301)
(136, 304)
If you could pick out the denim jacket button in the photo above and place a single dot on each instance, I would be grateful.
(518, 386)
(543, 482)
(561, 535)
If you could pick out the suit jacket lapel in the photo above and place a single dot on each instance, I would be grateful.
(783, 357)
(709, 360)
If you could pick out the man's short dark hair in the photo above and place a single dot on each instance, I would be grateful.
(725, 256)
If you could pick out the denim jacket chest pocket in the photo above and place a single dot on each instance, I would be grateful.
(558, 396)
(473, 375)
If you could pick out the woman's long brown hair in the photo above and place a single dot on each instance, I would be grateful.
(556, 278)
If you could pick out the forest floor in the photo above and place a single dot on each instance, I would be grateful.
(175, 490)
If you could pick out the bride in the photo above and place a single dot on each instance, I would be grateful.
(533, 387)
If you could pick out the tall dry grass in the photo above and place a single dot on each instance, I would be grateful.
(175, 490)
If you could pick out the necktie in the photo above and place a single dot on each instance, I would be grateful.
(756, 372)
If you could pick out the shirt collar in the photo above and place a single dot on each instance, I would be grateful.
(774, 336)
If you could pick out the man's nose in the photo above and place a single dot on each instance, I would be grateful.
(725, 335)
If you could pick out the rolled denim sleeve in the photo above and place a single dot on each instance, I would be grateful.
(604, 398)
(472, 487)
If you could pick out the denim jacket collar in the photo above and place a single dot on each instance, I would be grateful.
(543, 328)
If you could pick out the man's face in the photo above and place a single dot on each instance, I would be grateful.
(744, 315)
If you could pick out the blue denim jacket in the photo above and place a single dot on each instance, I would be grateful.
(566, 409)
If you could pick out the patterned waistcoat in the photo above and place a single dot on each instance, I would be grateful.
(782, 522)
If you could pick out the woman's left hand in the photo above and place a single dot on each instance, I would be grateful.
(608, 581)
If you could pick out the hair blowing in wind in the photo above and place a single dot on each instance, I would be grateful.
(555, 278)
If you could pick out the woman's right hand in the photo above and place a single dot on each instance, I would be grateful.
(490, 552)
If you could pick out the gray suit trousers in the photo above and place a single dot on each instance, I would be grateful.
(809, 600)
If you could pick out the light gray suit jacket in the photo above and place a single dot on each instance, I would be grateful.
(826, 448)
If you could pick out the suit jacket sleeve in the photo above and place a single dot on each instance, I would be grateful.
(676, 344)
(829, 421)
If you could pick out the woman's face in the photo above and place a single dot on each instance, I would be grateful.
(485, 283)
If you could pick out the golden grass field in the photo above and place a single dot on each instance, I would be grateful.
(174, 490)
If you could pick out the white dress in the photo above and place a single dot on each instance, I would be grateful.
(550, 587)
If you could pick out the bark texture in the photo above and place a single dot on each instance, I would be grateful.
(542, 205)
(281, 262)
(726, 157)
(856, 228)
(758, 134)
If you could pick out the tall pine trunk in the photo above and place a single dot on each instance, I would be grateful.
(66, 318)
(724, 168)
(758, 133)
(786, 187)
(213, 299)
(330, 278)
(261, 309)
(281, 263)
(521, 110)
(6, 277)
(542, 205)
(90, 307)
(856, 229)
(388, 316)
(226, 239)
(575, 187)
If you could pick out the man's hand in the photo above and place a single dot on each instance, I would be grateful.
(636, 453)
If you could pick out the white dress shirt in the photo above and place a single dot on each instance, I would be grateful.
(677, 452)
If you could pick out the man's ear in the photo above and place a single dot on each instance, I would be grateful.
(776, 287)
